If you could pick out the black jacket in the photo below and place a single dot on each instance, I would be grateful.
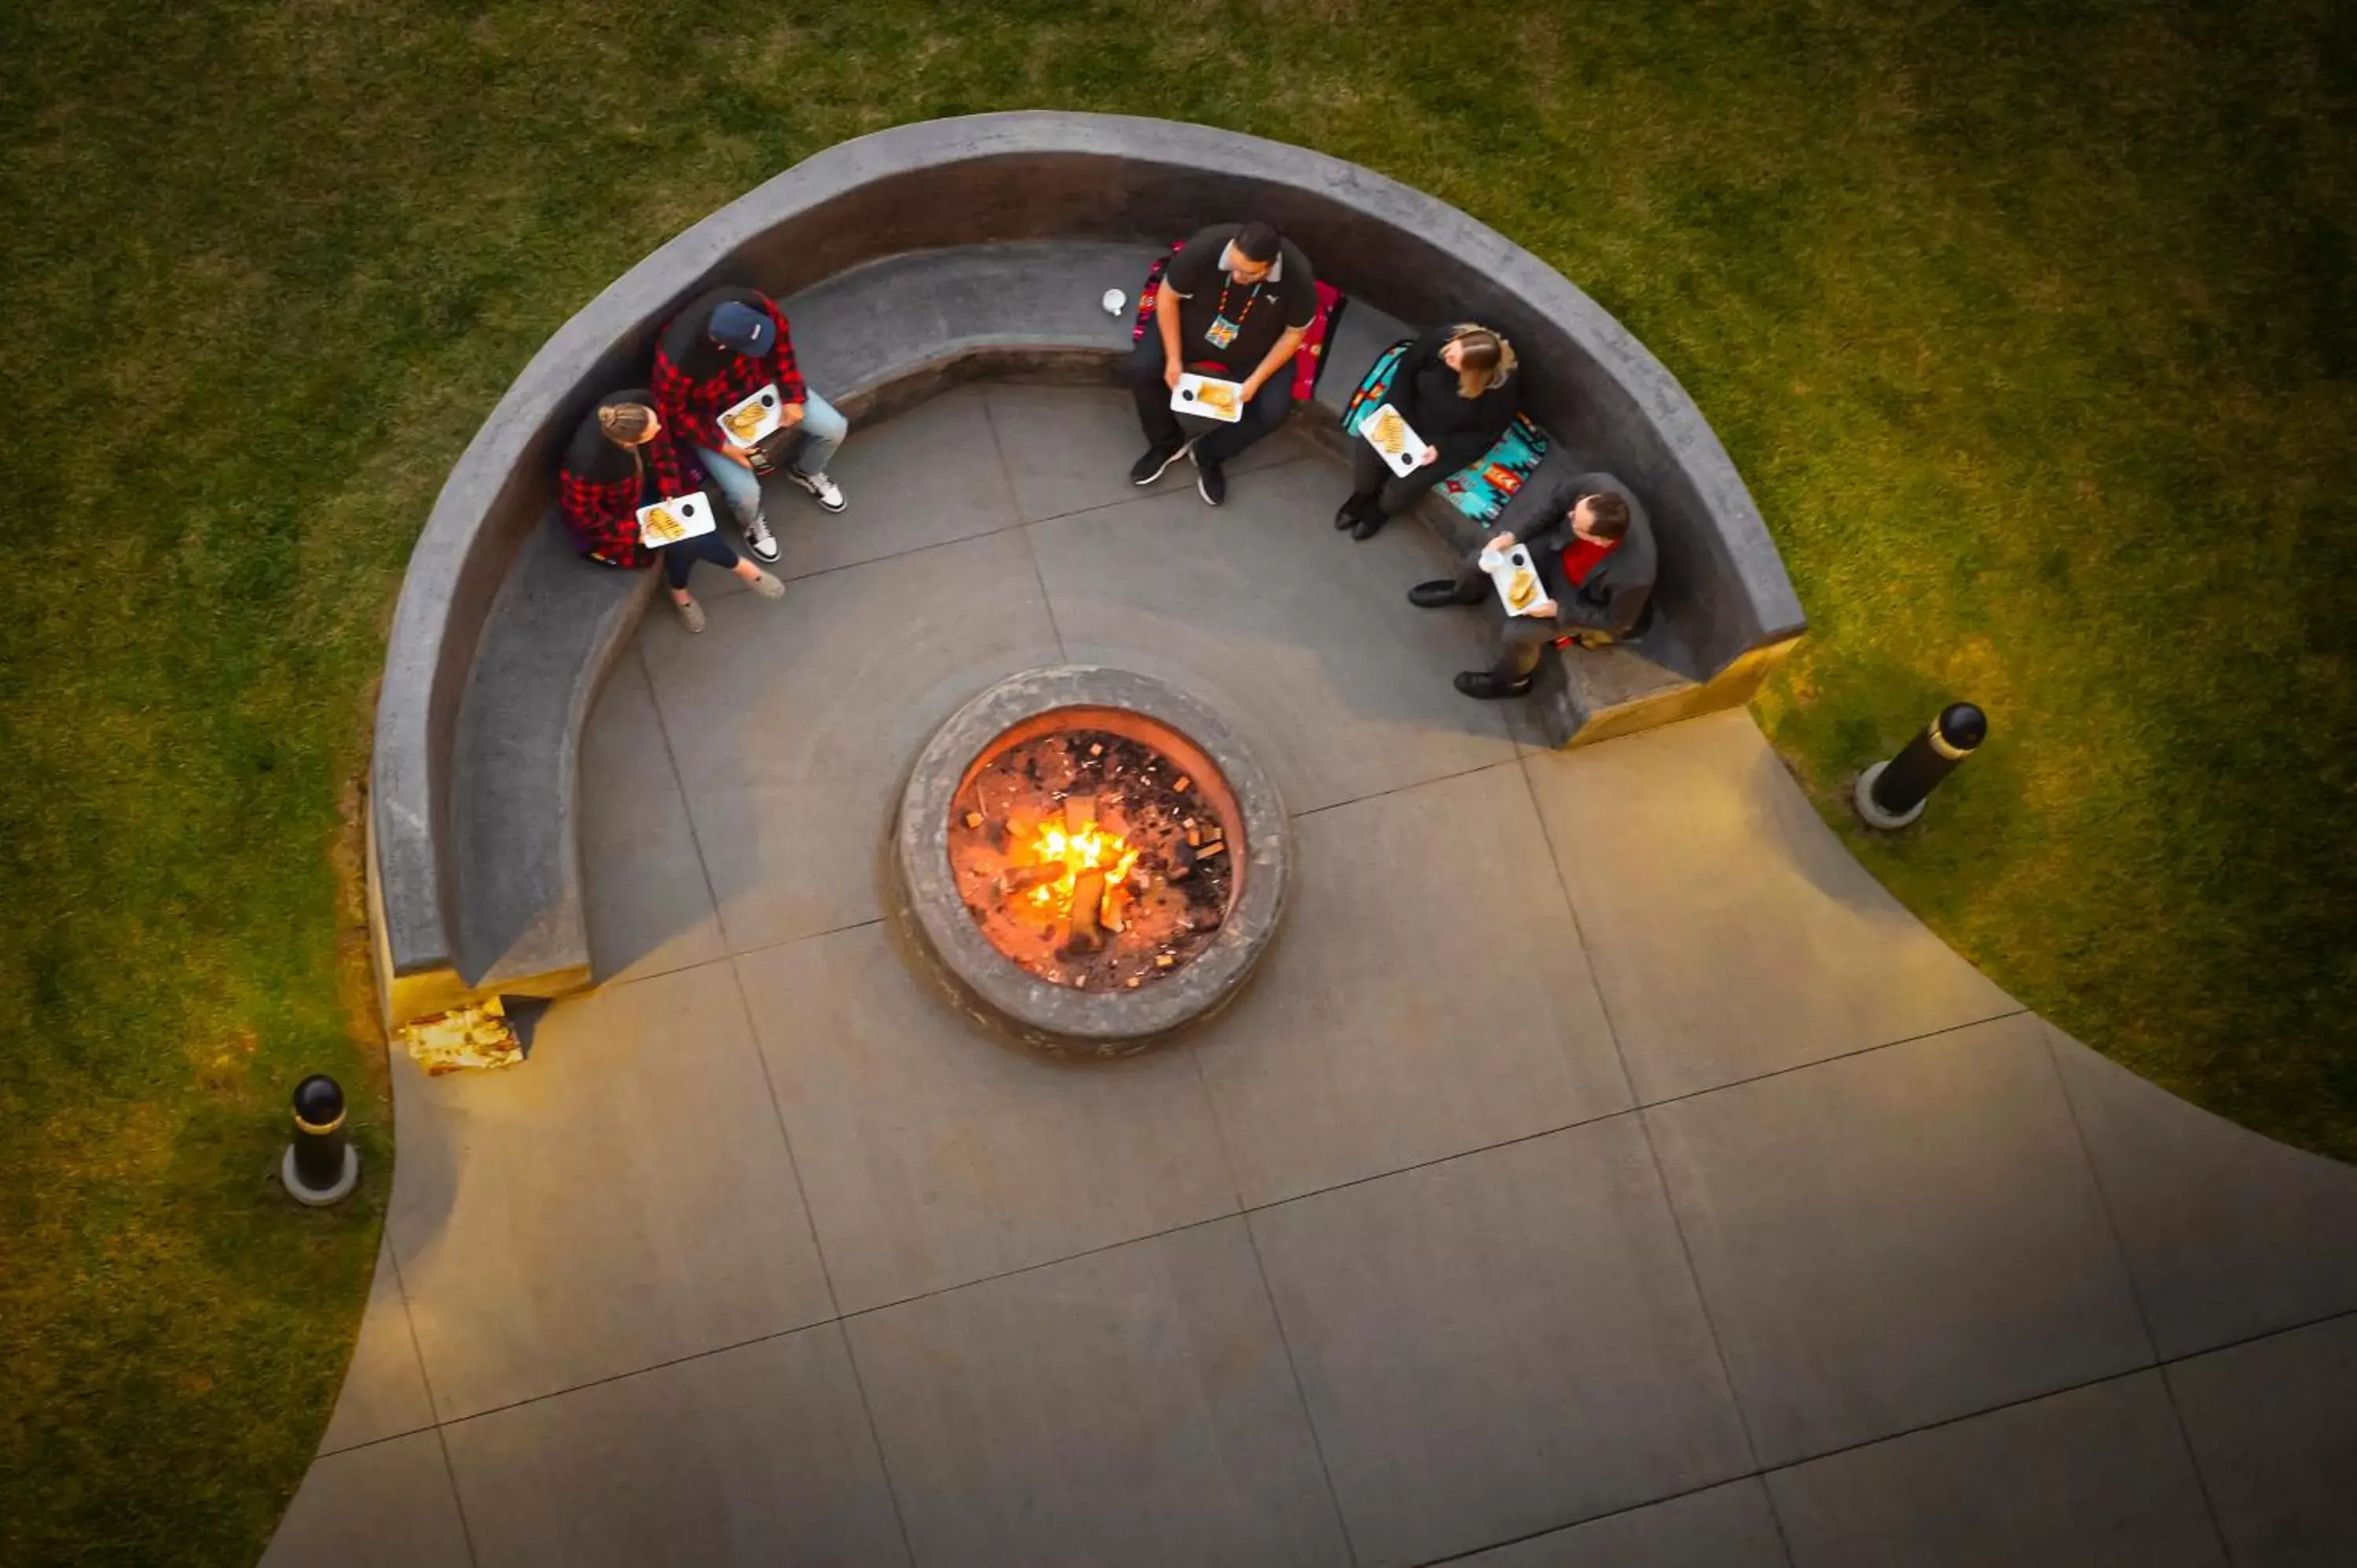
(1423, 390)
(1617, 591)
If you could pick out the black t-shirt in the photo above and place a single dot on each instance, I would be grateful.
(1258, 314)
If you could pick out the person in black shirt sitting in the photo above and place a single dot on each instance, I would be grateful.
(1233, 304)
(1457, 389)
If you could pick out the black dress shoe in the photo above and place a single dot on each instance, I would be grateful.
(1211, 484)
(1148, 469)
(1439, 593)
(1348, 514)
(1370, 526)
(1481, 684)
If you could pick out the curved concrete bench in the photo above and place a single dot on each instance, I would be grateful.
(874, 339)
(906, 260)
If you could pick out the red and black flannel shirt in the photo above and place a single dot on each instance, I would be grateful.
(693, 403)
(604, 514)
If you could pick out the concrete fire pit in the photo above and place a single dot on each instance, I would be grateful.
(1004, 937)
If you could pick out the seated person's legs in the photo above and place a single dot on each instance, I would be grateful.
(823, 428)
(1522, 639)
(1266, 411)
(1378, 494)
(1401, 493)
(1469, 586)
(1367, 473)
(1141, 373)
(1214, 448)
(679, 559)
(1521, 643)
(736, 484)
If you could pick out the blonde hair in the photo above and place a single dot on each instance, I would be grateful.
(628, 425)
(1484, 360)
(625, 424)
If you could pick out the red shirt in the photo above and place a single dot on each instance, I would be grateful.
(1582, 556)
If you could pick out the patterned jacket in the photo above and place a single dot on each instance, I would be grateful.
(603, 513)
(691, 398)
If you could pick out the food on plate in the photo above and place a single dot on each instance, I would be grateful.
(745, 422)
(1523, 588)
(1390, 432)
(663, 527)
(1216, 395)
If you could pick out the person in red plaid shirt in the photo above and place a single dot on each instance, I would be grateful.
(728, 345)
(624, 457)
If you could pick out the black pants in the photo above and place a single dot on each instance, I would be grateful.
(1372, 479)
(1141, 371)
(681, 558)
(1522, 640)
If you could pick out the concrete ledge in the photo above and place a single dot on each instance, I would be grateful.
(1109, 189)
(557, 627)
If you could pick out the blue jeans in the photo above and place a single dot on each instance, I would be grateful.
(823, 430)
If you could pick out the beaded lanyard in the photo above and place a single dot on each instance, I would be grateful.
(1220, 316)
(1250, 300)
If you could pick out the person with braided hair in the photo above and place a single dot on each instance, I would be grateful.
(624, 457)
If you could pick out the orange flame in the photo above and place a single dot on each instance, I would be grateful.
(1090, 849)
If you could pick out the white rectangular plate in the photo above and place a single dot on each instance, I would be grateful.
(1501, 570)
(671, 519)
(1186, 397)
(1402, 462)
(755, 419)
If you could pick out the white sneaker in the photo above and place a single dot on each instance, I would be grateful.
(822, 487)
(758, 535)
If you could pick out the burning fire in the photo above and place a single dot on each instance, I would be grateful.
(1089, 848)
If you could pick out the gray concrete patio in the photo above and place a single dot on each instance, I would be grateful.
(1601, 1170)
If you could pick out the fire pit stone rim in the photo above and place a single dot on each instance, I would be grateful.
(1099, 1022)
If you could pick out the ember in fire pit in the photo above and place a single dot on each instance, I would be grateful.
(1088, 856)
(1092, 859)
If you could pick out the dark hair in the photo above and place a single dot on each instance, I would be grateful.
(1256, 243)
(1607, 514)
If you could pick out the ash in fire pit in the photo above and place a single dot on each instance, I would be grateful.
(1087, 858)
(1092, 859)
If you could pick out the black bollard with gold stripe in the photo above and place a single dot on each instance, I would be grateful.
(321, 1166)
(1891, 794)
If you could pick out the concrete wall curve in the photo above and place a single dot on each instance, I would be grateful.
(1033, 176)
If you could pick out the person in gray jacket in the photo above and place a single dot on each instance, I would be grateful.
(1595, 560)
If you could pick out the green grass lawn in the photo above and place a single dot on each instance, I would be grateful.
(2031, 325)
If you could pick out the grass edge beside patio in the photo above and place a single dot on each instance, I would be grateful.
(2032, 329)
